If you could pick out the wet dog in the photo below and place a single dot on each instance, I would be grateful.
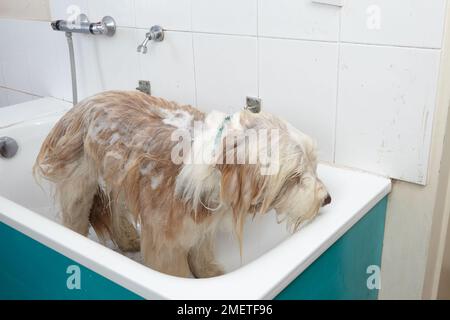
(122, 161)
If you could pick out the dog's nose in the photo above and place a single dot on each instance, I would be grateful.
(327, 200)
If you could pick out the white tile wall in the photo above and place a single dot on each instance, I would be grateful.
(366, 95)
(298, 19)
(417, 23)
(385, 109)
(297, 81)
(14, 60)
(172, 15)
(67, 9)
(9, 97)
(3, 97)
(122, 11)
(46, 76)
(16, 97)
(117, 60)
(89, 74)
(169, 66)
(229, 17)
(225, 71)
(2, 78)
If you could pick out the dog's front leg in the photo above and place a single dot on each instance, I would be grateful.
(202, 261)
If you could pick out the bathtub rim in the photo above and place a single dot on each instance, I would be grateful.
(243, 283)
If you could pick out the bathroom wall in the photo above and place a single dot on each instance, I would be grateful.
(362, 79)
(353, 77)
(17, 9)
(25, 9)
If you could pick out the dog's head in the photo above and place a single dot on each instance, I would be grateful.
(297, 192)
(264, 164)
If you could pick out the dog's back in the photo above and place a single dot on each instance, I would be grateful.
(111, 135)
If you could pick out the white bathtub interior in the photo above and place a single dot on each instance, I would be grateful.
(353, 195)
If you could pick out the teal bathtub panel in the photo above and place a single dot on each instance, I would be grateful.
(341, 272)
(30, 270)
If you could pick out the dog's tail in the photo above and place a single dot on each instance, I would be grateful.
(100, 216)
(62, 147)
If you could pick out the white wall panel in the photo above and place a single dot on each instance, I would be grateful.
(385, 109)
(298, 82)
(416, 23)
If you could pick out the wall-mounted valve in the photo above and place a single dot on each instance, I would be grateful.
(156, 33)
(106, 27)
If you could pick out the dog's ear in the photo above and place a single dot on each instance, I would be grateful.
(245, 191)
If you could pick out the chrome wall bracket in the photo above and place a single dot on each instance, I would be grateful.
(144, 86)
(253, 104)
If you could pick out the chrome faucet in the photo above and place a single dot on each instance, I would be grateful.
(156, 33)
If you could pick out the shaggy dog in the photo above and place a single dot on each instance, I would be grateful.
(111, 159)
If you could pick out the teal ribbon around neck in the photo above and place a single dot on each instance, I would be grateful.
(220, 131)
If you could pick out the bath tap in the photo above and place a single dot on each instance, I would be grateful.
(156, 33)
(106, 27)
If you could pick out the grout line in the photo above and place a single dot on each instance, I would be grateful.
(193, 58)
(337, 87)
(258, 62)
(21, 91)
(298, 39)
(284, 38)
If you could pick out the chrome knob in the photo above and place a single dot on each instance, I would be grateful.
(8, 147)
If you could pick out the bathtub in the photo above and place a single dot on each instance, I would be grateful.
(333, 257)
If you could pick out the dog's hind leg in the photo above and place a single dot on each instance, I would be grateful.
(164, 256)
(123, 231)
(202, 261)
(76, 195)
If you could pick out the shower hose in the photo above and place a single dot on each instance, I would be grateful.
(72, 68)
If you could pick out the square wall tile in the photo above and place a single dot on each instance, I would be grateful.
(298, 19)
(225, 71)
(65, 9)
(2, 78)
(118, 60)
(89, 71)
(169, 66)
(171, 15)
(4, 97)
(14, 54)
(229, 17)
(417, 23)
(386, 103)
(16, 97)
(47, 76)
(298, 82)
(122, 11)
